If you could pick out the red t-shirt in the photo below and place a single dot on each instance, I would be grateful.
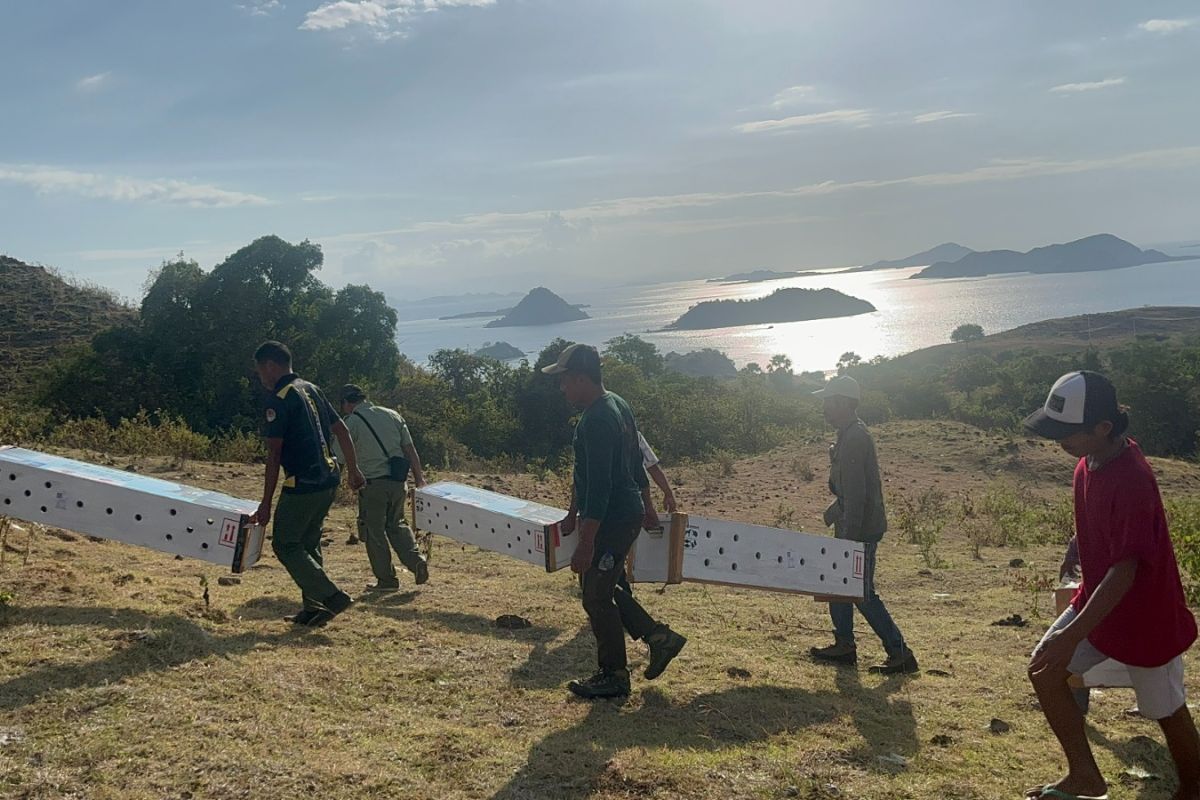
(1118, 516)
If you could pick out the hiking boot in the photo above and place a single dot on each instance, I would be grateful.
(421, 573)
(605, 683)
(333, 606)
(301, 617)
(837, 653)
(900, 664)
(665, 644)
(383, 588)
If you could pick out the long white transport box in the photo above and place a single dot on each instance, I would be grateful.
(694, 549)
(128, 507)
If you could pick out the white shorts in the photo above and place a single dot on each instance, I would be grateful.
(1159, 690)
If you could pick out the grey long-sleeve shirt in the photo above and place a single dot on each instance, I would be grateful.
(858, 512)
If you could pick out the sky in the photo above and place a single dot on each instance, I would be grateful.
(454, 146)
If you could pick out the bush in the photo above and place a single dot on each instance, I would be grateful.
(1183, 515)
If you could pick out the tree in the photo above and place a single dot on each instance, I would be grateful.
(779, 363)
(969, 332)
(637, 352)
(847, 360)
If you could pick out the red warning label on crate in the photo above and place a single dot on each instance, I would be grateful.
(229, 532)
(858, 565)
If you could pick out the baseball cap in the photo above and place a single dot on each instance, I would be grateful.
(352, 393)
(1077, 402)
(841, 386)
(574, 357)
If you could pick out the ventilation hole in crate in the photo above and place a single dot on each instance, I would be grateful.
(47, 484)
(822, 551)
(209, 520)
(493, 530)
(476, 526)
(447, 527)
(28, 493)
(108, 511)
(7, 502)
(169, 537)
(708, 534)
(735, 567)
(757, 556)
(822, 577)
(529, 551)
(845, 580)
(79, 504)
(835, 566)
(190, 529)
(510, 545)
(12, 477)
(779, 560)
(706, 562)
(137, 517)
(460, 522)
(802, 562)
(846, 554)
(509, 524)
(204, 545)
(518, 538)
(173, 512)
(720, 551)
(43, 509)
(735, 537)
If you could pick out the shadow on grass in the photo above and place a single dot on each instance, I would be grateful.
(578, 762)
(475, 624)
(1141, 751)
(142, 643)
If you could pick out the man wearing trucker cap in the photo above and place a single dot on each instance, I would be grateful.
(1130, 604)
(858, 514)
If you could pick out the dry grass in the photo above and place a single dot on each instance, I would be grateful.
(119, 683)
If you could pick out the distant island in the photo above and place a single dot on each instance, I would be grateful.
(540, 307)
(1091, 254)
(782, 305)
(499, 351)
(478, 314)
(760, 275)
(948, 251)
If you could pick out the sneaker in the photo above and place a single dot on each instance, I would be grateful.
(301, 617)
(900, 664)
(837, 653)
(605, 683)
(383, 588)
(333, 606)
(422, 572)
(665, 644)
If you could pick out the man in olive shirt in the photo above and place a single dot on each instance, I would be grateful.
(608, 487)
(858, 514)
(379, 434)
(300, 424)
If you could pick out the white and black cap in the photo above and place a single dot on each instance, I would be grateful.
(1078, 402)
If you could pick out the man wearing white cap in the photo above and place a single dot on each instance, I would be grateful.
(1130, 604)
(858, 514)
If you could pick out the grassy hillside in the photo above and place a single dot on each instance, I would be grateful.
(118, 680)
(44, 314)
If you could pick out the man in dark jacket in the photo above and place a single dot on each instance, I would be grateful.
(858, 514)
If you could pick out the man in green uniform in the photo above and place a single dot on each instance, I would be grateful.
(300, 422)
(380, 435)
(608, 488)
(858, 514)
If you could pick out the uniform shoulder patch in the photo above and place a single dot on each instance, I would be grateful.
(270, 415)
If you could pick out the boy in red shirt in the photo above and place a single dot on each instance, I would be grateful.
(1130, 605)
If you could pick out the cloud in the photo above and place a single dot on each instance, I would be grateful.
(1166, 25)
(1088, 86)
(938, 116)
(260, 8)
(383, 19)
(792, 95)
(93, 83)
(842, 116)
(57, 180)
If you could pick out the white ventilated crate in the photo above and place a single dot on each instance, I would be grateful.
(127, 507)
(522, 529)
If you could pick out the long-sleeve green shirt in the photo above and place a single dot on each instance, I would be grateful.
(609, 476)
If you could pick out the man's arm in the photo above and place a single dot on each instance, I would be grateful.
(414, 461)
(852, 488)
(598, 447)
(263, 515)
(354, 475)
(660, 479)
(1061, 646)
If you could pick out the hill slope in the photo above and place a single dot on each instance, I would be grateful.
(1093, 253)
(540, 307)
(42, 315)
